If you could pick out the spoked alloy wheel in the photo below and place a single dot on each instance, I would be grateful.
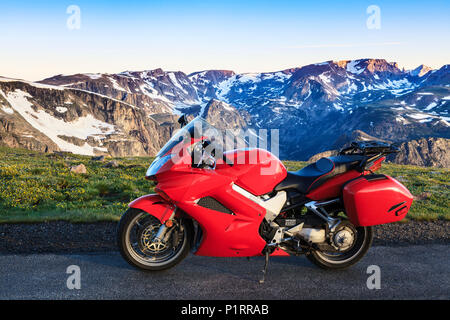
(352, 244)
(137, 244)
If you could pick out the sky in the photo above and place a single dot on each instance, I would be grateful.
(39, 39)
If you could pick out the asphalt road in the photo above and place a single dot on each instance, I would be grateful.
(411, 272)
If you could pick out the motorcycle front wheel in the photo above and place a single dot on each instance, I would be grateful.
(136, 232)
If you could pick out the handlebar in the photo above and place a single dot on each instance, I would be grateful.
(209, 148)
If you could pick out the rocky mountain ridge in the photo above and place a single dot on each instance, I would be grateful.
(310, 106)
(426, 152)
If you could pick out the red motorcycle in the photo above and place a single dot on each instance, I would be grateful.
(240, 202)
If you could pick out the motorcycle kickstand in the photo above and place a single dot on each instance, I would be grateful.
(265, 267)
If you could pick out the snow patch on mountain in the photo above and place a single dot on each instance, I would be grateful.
(6, 109)
(61, 109)
(224, 88)
(249, 77)
(53, 128)
(277, 76)
(430, 106)
(419, 116)
(94, 76)
(116, 85)
(420, 71)
(175, 82)
(353, 68)
(425, 93)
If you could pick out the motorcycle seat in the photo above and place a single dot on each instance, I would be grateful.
(315, 174)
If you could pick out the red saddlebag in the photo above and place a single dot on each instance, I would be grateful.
(376, 199)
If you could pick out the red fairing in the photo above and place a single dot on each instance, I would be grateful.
(376, 199)
(155, 204)
(257, 171)
(280, 253)
(224, 234)
(184, 186)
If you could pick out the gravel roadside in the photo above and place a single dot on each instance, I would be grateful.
(64, 237)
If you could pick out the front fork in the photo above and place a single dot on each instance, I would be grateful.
(164, 231)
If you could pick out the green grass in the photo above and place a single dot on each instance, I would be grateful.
(40, 187)
(430, 186)
(37, 187)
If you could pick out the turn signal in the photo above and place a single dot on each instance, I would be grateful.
(169, 223)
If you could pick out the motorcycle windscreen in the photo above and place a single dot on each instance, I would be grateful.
(376, 199)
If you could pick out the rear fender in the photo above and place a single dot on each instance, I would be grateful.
(154, 205)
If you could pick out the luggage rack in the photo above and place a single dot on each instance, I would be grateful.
(369, 148)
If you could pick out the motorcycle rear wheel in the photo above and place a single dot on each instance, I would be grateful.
(343, 260)
(135, 233)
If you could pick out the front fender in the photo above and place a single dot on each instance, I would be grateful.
(154, 205)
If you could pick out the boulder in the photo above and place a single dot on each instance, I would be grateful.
(80, 169)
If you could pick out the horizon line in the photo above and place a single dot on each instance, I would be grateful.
(222, 69)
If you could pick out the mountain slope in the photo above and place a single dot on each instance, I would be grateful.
(76, 120)
(431, 152)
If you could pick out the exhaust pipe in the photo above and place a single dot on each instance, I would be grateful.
(313, 235)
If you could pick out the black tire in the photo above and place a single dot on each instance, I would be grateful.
(362, 244)
(134, 258)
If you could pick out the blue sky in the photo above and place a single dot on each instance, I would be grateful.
(245, 36)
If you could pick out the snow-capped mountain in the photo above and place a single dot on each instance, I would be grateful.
(135, 112)
(420, 71)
